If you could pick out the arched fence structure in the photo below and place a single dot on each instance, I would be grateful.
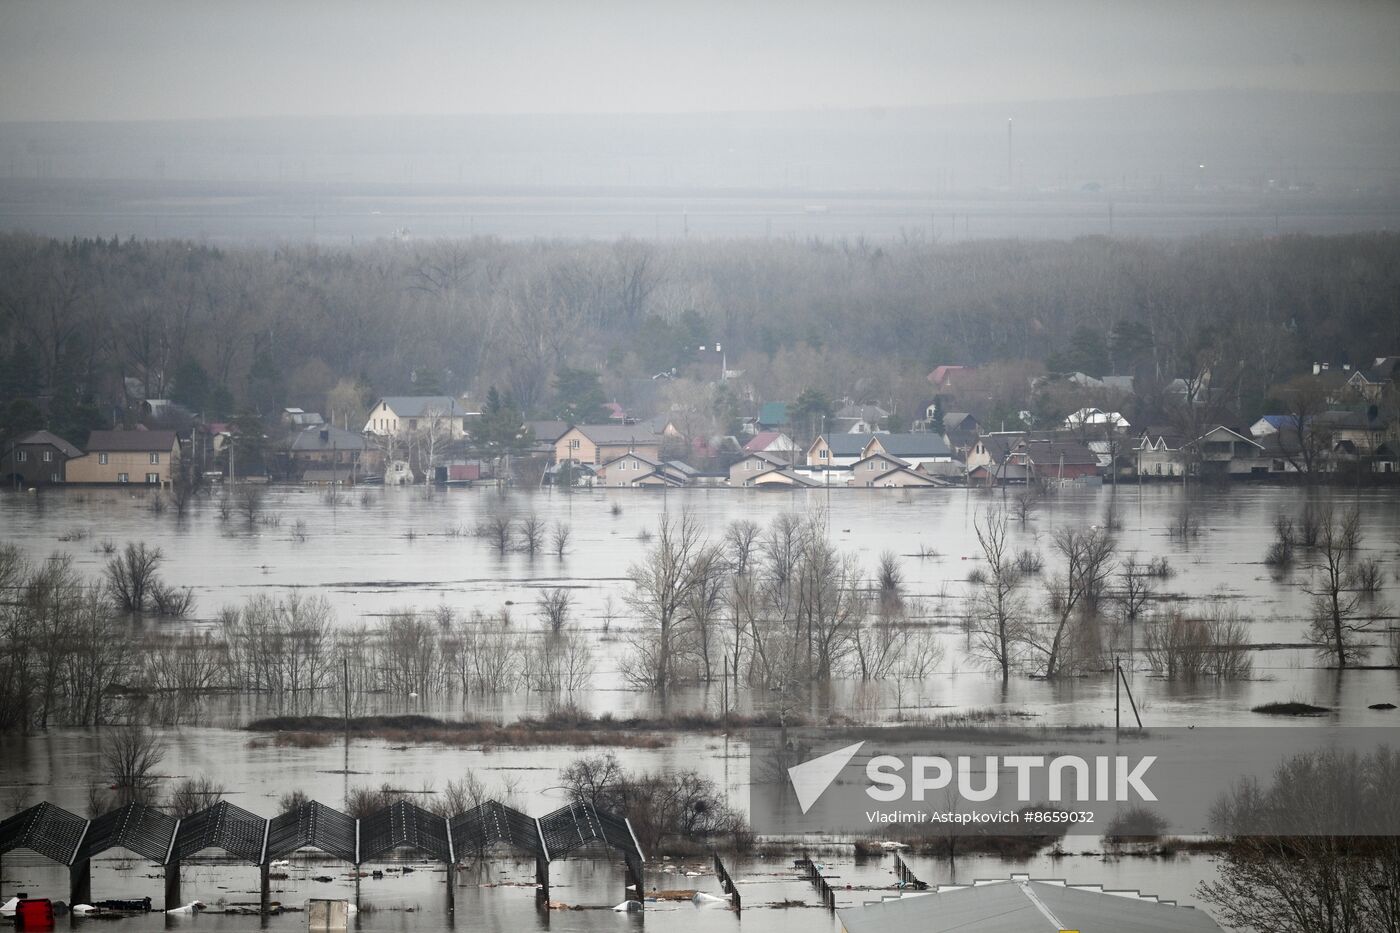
(73, 841)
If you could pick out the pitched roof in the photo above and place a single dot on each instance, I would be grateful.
(1025, 906)
(52, 440)
(1278, 422)
(922, 477)
(414, 406)
(310, 438)
(1385, 369)
(548, 431)
(785, 471)
(766, 456)
(773, 413)
(1353, 420)
(1049, 453)
(649, 461)
(912, 445)
(846, 445)
(681, 467)
(895, 462)
(762, 439)
(1229, 430)
(1163, 438)
(616, 433)
(138, 441)
(940, 374)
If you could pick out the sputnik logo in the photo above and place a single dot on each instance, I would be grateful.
(811, 778)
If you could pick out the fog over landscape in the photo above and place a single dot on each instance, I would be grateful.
(557, 119)
(498, 464)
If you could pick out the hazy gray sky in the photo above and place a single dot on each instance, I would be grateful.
(140, 59)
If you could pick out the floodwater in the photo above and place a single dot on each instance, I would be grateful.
(385, 549)
(379, 550)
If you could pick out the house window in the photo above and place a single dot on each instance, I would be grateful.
(21, 456)
(155, 458)
(53, 477)
(123, 478)
(102, 459)
(48, 456)
(153, 477)
(573, 444)
(413, 424)
(821, 454)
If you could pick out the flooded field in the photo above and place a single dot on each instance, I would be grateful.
(376, 551)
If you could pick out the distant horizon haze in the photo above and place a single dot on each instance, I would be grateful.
(65, 60)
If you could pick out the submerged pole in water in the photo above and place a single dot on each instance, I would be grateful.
(172, 884)
(80, 882)
(541, 882)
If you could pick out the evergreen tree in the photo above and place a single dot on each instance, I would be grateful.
(578, 397)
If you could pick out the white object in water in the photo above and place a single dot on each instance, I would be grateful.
(83, 910)
(629, 906)
(701, 899)
(10, 906)
(193, 907)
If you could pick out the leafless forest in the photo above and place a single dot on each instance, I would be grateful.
(235, 330)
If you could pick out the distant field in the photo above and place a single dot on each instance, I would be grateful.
(338, 213)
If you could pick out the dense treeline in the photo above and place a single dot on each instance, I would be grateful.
(226, 330)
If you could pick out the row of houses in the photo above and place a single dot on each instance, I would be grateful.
(429, 439)
(108, 457)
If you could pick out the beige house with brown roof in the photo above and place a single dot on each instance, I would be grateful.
(126, 457)
(599, 443)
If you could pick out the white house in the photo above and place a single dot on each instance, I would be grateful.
(1094, 416)
(397, 416)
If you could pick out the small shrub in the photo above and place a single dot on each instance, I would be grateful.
(1136, 824)
(1030, 562)
(171, 601)
(1279, 554)
(1366, 577)
(192, 795)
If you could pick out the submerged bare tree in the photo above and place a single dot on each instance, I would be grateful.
(1074, 595)
(1136, 587)
(130, 756)
(1336, 619)
(554, 605)
(132, 574)
(532, 529)
(997, 610)
(559, 539)
(498, 529)
(662, 585)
